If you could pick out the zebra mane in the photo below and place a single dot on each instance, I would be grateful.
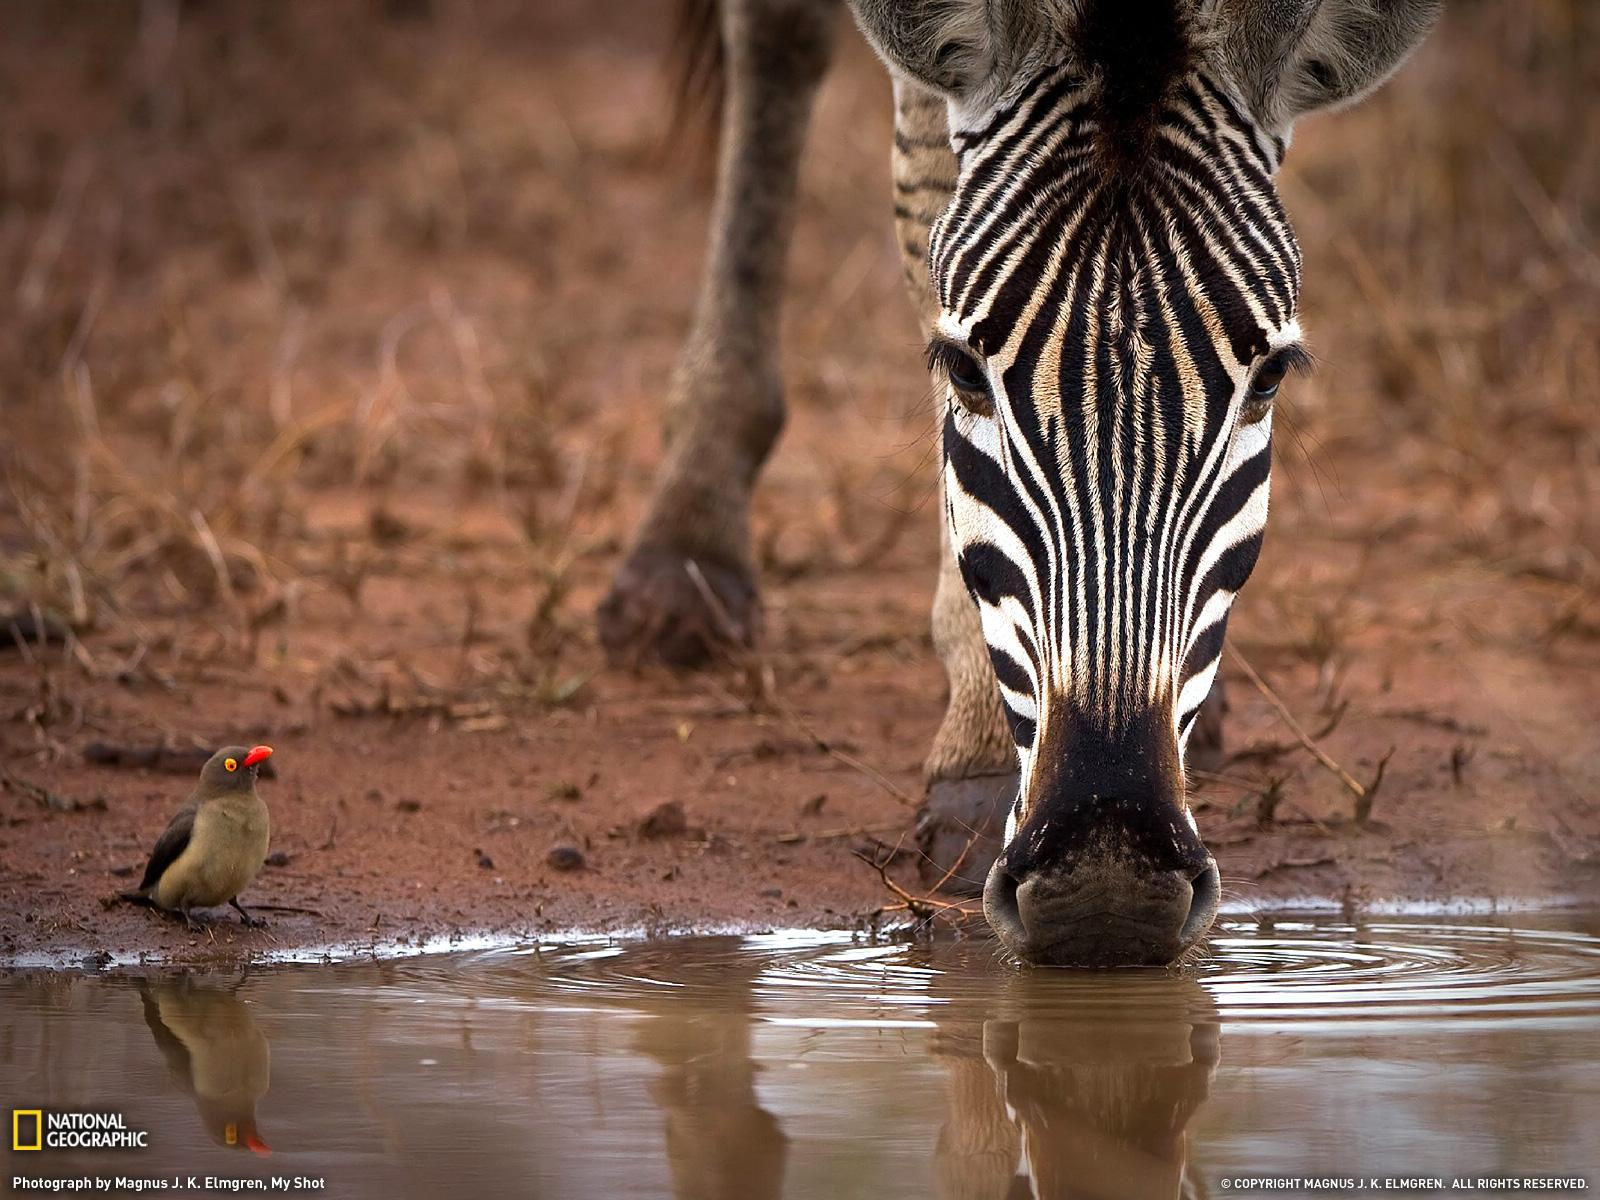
(1137, 50)
(1287, 57)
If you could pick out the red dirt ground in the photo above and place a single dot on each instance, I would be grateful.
(333, 352)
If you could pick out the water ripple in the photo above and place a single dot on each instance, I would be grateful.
(1285, 972)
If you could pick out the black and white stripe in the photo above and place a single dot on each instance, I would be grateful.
(1119, 290)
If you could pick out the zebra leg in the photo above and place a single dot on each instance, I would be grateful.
(688, 582)
(971, 771)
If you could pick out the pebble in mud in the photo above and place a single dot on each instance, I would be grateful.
(664, 821)
(565, 857)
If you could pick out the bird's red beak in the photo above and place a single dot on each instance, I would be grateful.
(257, 754)
(256, 1144)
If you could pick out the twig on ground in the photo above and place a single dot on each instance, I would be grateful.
(1364, 801)
(1306, 740)
(832, 835)
(921, 907)
(1363, 792)
(46, 798)
(956, 866)
(799, 725)
(1322, 827)
(739, 657)
(1237, 782)
(1336, 716)
(1268, 799)
(164, 757)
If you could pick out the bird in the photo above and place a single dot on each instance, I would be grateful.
(215, 1052)
(215, 844)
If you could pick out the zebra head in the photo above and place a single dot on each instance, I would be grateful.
(1117, 286)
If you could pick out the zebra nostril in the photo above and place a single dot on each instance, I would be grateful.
(1207, 885)
(1101, 913)
(1000, 905)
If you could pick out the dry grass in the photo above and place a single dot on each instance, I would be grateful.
(1454, 291)
(309, 309)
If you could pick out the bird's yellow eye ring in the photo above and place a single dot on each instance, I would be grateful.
(231, 763)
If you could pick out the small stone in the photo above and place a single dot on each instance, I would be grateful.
(385, 528)
(409, 806)
(279, 858)
(770, 893)
(565, 857)
(664, 821)
(484, 860)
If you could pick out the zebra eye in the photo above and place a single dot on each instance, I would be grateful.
(1263, 387)
(965, 374)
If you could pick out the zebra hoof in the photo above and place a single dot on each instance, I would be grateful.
(960, 830)
(666, 607)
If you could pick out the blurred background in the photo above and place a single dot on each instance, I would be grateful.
(287, 284)
(334, 337)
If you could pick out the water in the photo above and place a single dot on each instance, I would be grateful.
(811, 1066)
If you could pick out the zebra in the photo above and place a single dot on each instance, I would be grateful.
(1085, 200)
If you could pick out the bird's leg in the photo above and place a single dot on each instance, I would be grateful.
(252, 922)
(188, 920)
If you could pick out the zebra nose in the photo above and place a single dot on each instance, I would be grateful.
(1101, 913)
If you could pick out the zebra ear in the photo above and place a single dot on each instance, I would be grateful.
(1292, 57)
(951, 46)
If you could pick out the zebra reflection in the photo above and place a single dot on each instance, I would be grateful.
(1086, 1093)
(721, 1143)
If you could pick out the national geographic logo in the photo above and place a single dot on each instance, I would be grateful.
(23, 1119)
(38, 1129)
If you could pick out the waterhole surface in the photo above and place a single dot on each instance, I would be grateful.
(814, 1066)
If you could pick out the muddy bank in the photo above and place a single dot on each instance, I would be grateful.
(334, 356)
(660, 808)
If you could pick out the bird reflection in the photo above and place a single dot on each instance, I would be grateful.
(1075, 1087)
(721, 1144)
(215, 1052)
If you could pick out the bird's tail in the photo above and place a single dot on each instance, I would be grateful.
(137, 896)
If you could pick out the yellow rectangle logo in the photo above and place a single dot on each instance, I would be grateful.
(17, 1114)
